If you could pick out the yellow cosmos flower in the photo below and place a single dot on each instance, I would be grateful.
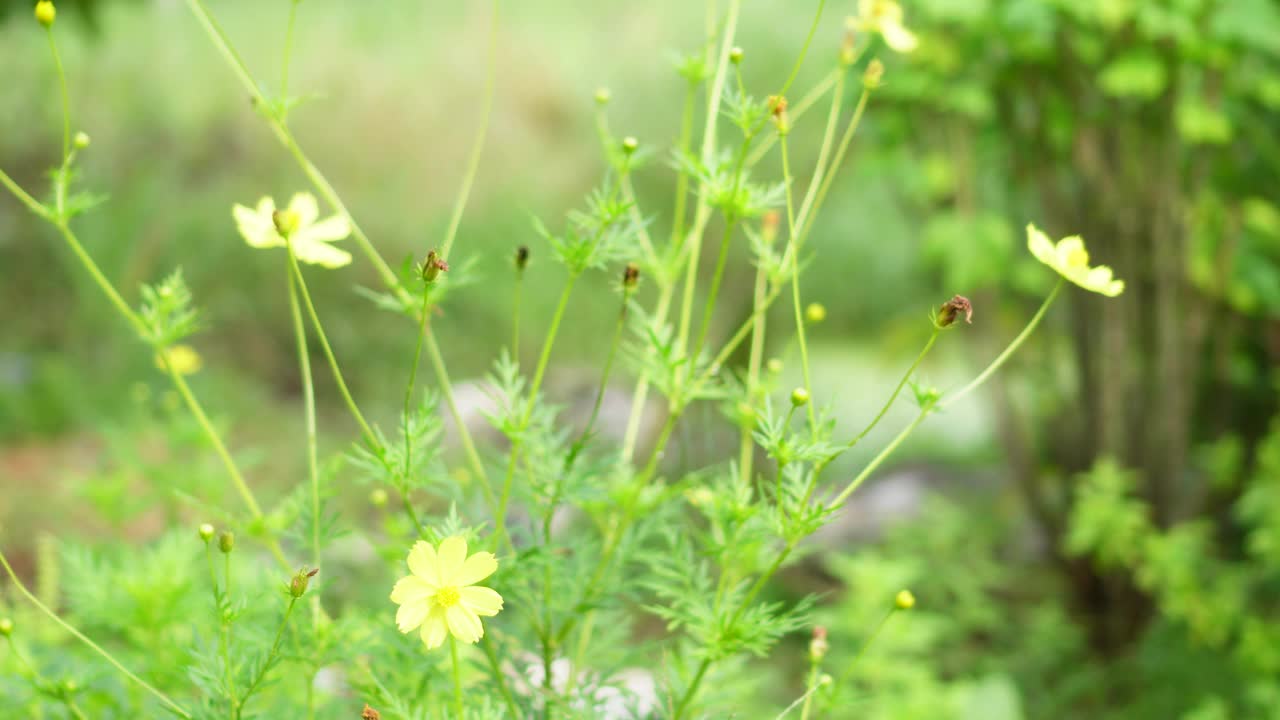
(884, 17)
(441, 595)
(182, 358)
(1070, 258)
(311, 241)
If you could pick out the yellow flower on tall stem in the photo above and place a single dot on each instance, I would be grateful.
(884, 17)
(441, 596)
(311, 237)
(1071, 260)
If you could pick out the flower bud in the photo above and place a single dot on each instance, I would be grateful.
(286, 222)
(630, 276)
(206, 532)
(769, 223)
(298, 584)
(46, 13)
(602, 96)
(433, 266)
(735, 55)
(952, 309)
(226, 541)
(815, 313)
(799, 397)
(629, 145)
(6, 627)
(70, 687)
(825, 679)
(774, 366)
(522, 257)
(369, 713)
(904, 600)
(778, 109)
(378, 498)
(848, 48)
(818, 645)
(874, 75)
(81, 140)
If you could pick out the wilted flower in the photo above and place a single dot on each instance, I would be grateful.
(310, 236)
(953, 309)
(300, 581)
(433, 266)
(182, 359)
(1070, 258)
(441, 594)
(885, 18)
(369, 713)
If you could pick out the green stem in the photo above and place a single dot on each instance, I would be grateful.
(457, 679)
(40, 684)
(164, 699)
(231, 676)
(309, 414)
(581, 442)
(223, 641)
(24, 197)
(829, 177)
(746, 449)
(365, 429)
(795, 280)
(62, 88)
(408, 404)
(446, 390)
(495, 669)
(272, 657)
(477, 147)
(288, 56)
(712, 292)
(515, 315)
(804, 49)
(692, 689)
(848, 673)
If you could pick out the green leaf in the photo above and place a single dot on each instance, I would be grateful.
(1137, 74)
(1200, 124)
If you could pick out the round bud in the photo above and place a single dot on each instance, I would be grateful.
(81, 140)
(226, 541)
(378, 498)
(46, 13)
(735, 55)
(206, 532)
(799, 397)
(629, 145)
(815, 313)
(874, 75)
(6, 627)
(602, 96)
(298, 583)
(774, 366)
(904, 600)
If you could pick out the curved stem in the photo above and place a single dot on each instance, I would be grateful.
(795, 278)
(309, 413)
(66, 103)
(581, 442)
(408, 406)
(288, 57)
(24, 197)
(164, 699)
(272, 657)
(482, 130)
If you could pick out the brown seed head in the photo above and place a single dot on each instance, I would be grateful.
(630, 276)
(369, 713)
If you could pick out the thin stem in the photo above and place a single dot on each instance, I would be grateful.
(746, 450)
(446, 390)
(39, 683)
(804, 49)
(164, 699)
(231, 676)
(408, 404)
(24, 197)
(309, 414)
(682, 176)
(517, 296)
(495, 669)
(692, 689)
(62, 88)
(103, 283)
(829, 177)
(581, 442)
(367, 431)
(477, 147)
(272, 657)
(906, 377)
(223, 641)
(796, 111)
(795, 279)
(457, 678)
(848, 673)
(288, 56)
(712, 292)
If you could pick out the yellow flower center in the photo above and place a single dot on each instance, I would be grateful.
(447, 597)
(1078, 258)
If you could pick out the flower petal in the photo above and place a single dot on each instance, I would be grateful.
(410, 615)
(318, 253)
(898, 38)
(411, 589)
(434, 628)
(481, 600)
(464, 624)
(424, 564)
(304, 204)
(1041, 246)
(1072, 253)
(255, 227)
(451, 555)
(330, 229)
(476, 568)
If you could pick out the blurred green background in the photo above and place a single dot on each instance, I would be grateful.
(1098, 535)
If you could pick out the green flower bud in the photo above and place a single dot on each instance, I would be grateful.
(46, 13)
(799, 397)
(378, 498)
(774, 366)
(206, 532)
(815, 313)
(735, 55)
(226, 541)
(602, 96)
(629, 145)
(818, 645)
(904, 600)
(6, 627)
(873, 77)
(298, 584)
(81, 140)
(433, 266)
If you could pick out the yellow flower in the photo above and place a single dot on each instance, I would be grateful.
(183, 359)
(46, 13)
(441, 595)
(311, 240)
(1070, 258)
(885, 18)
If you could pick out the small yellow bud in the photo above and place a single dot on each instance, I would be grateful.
(378, 498)
(629, 145)
(874, 75)
(286, 222)
(746, 414)
(904, 600)
(799, 397)
(735, 56)
(226, 541)
(46, 13)
(774, 366)
(603, 96)
(815, 313)
(769, 224)
(206, 532)
(6, 627)
(825, 679)
(818, 645)
(81, 140)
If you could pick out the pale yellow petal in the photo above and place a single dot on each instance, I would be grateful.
(331, 229)
(464, 624)
(434, 629)
(1040, 246)
(304, 204)
(255, 227)
(410, 615)
(897, 37)
(476, 568)
(411, 589)
(1071, 252)
(424, 564)
(452, 554)
(481, 600)
(322, 254)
